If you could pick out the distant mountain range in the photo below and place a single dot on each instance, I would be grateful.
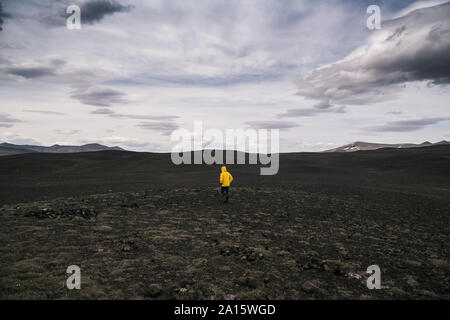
(10, 149)
(359, 145)
(7, 149)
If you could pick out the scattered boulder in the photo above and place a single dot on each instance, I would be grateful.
(186, 282)
(307, 266)
(251, 282)
(154, 290)
(129, 204)
(309, 287)
(128, 245)
(339, 272)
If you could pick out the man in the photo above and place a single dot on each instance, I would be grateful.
(225, 181)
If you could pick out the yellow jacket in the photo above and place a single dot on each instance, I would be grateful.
(225, 177)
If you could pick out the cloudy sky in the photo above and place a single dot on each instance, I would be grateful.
(139, 69)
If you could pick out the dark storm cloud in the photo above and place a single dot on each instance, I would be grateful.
(102, 97)
(3, 15)
(30, 72)
(406, 125)
(39, 68)
(95, 10)
(415, 47)
(164, 127)
(6, 121)
(274, 124)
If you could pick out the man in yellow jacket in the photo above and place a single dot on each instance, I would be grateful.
(225, 181)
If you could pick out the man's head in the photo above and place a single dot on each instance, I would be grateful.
(224, 169)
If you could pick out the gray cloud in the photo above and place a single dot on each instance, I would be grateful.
(165, 127)
(98, 96)
(113, 114)
(102, 111)
(397, 112)
(39, 68)
(273, 124)
(30, 72)
(67, 133)
(95, 10)
(310, 112)
(3, 15)
(324, 104)
(143, 117)
(294, 113)
(51, 68)
(4, 61)
(415, 47)
(406, 125)
(54, 13)
(161, 123)
(92, 11)
(45, 112)
(17, 139)
(217, 43)
(6, 121)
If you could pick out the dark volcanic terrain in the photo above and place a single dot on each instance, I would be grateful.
(142, 228)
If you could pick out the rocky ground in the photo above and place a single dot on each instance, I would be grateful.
(298, 242)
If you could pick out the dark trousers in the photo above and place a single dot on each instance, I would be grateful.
(225, 191)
